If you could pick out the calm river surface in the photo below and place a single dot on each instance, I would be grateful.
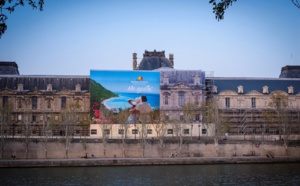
(235, 174)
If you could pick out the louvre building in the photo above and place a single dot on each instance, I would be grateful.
(246, 105)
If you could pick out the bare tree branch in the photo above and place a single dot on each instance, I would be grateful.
(296, 3)
(220, 7)
(10, 5)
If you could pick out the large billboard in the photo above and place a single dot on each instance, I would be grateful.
(112, 90)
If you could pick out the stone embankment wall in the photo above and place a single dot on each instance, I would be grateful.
(134, 149)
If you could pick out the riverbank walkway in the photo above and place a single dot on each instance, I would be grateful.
(89, 162)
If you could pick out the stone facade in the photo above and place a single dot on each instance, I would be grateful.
(258, 105)
(134, 150)
(37, 101)
(242, 101)
(179, 87)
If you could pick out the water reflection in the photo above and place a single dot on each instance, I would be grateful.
(254, 174)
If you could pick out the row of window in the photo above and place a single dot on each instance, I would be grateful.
(34, 118)
(34, 101)
(181, 117)
(227, 102)
(253, 102)
(181, 98)
(149, 131)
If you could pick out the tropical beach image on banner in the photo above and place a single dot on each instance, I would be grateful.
(116, 91)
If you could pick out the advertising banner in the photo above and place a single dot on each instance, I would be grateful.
(115, 91)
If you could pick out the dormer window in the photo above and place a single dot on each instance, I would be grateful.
(196, 80)
(20, 87)
(265, 89)
(78, 88)
(214, 89)
(240, 89)
(291, 90)
(165, 80)
(49, 87)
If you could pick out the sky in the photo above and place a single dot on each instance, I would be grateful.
(71, 37)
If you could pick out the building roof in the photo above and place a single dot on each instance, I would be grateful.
(40, 82)
(9, 67)
(154, 60)
(290, 72)
(250, 84)
(181, 76)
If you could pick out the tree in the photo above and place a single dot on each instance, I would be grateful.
(69, 119)
(142, 128)
(177, 128)
(213, 120)
(26, 130)
(122, 119)
(106, 126)
(190, 110)
(267, 116)
(5, 123)
(296, 3)
(160, 126)
(279, 102)
(84, 127)
(220, 7)
(9, 7)
(45, 132)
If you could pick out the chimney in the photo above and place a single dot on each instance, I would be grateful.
(171, 59)
(134, 62)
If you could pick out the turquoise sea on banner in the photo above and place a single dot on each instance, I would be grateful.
(122, 100)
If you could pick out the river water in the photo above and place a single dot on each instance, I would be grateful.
(233, 174)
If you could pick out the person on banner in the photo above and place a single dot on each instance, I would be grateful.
(133, 116)
(144, 109)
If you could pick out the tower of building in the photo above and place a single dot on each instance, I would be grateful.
(171, 59)
(134, 62)
(153, 60)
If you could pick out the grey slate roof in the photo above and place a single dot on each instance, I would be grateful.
(154, 60)
(151, 63)
(40, 82)
(183, 76)
(250, 84)
(9, 67)
(290, 72)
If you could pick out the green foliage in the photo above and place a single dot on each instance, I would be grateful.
(10, 5)
(296, 3)
(190, 110)
(99, 93)
(220, 7)
(278, 100)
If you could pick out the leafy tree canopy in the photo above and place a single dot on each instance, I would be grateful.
(9, 6)
(219, 7)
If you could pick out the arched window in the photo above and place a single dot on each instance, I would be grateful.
(166, 97)
(253, 102)
(181, 100)
(34, 102)
(227, 102)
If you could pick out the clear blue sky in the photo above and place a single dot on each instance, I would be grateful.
(70, 37)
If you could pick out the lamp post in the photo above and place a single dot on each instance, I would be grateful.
(191, 131)
(199, 131)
